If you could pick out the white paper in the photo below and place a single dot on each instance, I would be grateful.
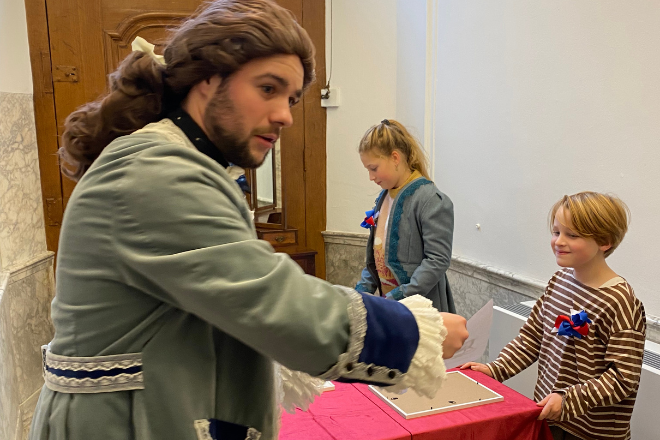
(479, 329)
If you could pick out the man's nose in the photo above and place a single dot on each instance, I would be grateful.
(281, 114)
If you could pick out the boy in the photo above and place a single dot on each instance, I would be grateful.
(587, 331)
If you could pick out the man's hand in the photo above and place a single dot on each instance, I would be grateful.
(476, 366)
(456, 334)
(551, 406)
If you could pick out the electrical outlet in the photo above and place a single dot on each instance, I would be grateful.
(330, 98)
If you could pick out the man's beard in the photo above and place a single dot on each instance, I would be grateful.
(236, 150)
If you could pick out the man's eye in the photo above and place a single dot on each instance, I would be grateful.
(268, 89)
(293, 101)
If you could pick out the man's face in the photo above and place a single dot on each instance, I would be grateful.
(250, 107)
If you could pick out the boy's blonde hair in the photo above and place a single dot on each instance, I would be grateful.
(391, 135)
(602, 217)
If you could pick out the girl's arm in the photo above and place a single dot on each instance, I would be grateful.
(437, 226)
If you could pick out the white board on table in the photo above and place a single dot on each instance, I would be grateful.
(459, 391)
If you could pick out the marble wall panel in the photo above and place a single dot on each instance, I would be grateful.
(22, 232)
(25, 325)
(345, 255)
(8, 392)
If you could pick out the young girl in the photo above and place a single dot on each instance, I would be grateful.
(412, 224)
(587, 331)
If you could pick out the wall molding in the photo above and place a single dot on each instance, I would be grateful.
(36, 264)
(520, 284)
(347, 238)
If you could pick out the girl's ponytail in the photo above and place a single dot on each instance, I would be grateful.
(391, 135)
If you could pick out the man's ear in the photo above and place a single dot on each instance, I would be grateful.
(605, 247)
(206, 88)
(396, 157)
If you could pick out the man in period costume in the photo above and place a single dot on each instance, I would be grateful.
(173, 321)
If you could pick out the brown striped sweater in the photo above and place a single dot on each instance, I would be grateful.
(598, 375)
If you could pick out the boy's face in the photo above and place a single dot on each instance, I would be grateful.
(570, 249)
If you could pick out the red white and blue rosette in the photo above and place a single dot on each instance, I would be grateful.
(576, 325)
(370, 220)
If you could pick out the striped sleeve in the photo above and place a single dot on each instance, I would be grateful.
(523, 351)
(623, 357)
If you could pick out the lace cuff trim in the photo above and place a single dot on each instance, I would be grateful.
(427, 370)
(298, 389)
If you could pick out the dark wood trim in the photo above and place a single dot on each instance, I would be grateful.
(313, 21)
(45, 120)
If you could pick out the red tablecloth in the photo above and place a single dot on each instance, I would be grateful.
(352, 411)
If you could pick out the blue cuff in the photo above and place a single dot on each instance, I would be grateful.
(361, 288)
(383, 340)
(395, 293)
(392, 334)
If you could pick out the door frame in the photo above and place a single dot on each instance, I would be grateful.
(306, 209)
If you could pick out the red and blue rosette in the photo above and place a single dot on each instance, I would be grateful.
(369, 221)
(576, 325)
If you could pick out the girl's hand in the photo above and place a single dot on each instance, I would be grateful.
(551, 406)
(476, 366)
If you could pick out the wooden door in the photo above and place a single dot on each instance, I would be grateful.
(75, 44)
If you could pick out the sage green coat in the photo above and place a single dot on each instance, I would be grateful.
(158, 255)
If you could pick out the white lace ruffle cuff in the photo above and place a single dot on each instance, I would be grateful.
(298, 389)
(427, 370)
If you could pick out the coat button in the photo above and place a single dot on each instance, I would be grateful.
(349, 366)
(370, 371)
(391, 374)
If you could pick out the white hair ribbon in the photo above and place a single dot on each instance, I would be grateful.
(142, 45)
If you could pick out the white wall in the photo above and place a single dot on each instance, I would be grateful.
(411, 65)
(15, 73)
(376, 81)
(540, 99)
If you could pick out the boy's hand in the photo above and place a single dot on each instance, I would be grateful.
(457, 333)
(551, 406)
(476, 366)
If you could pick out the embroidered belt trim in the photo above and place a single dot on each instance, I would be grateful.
(97, 374)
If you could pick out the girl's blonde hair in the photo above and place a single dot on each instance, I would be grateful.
(391, 135)
(602, 217)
